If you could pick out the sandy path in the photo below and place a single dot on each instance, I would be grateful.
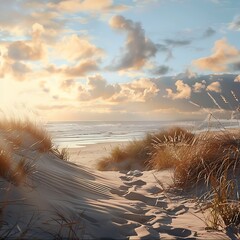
(159, 214)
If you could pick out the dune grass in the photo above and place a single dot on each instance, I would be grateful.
(16, 133)
(148, 153)
(195, 158)
(210, 154)
(223, 206)
(210, 160)
(61, 153)
(16, 173)
(42, 138)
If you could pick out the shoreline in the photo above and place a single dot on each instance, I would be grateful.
(90, 154)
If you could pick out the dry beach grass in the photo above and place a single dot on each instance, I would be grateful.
(42, 140)
(151, 152)
(209, 159)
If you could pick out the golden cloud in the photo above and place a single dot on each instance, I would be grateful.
(223, 55)
(183, 91)
(85, 5)
(74, 48)
(214, 87)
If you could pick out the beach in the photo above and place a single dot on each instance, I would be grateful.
(119, 119)
(90, 154)
(52, 198)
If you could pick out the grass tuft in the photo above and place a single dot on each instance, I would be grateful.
(22, 170)
(147, 153)
(61, 153)
(210, 154)
(42, 140)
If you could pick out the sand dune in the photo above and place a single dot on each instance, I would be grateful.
(62, 199)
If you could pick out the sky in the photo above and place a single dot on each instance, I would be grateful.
(68, 60)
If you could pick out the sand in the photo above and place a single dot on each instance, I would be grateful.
(90, 154)
(63, 200)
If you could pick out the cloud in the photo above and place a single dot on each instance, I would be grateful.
(169, 44)
(235, 24)
(140, 90)
(97, 87)
(43, 87)
(138, 48)
(209, 32)
(199, 86)
(78, 70)
(75, 48)
(189, 74)
(183, 91)
(237, 79)
(21, 68)
(21, 50)
(18, 70)
(32, 50)
(82, 68)
(67, 85)
(17, 17)
(214, 87)
(85, 5)
(177, 43)
(15, 69)
(223, 55)
(161, 70)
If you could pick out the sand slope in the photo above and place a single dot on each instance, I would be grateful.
(61, 199)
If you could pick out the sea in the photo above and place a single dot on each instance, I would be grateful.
(79, 134)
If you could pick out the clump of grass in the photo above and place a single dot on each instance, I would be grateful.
(163, 158)
(67, 227)
(225, 207)
(14, 173)
(145, 154)
(15, 140)
(61, 153)
(134, 154)
(220, 205)
(166, 147)
(208, 155)
(42, 139)
(22, 170)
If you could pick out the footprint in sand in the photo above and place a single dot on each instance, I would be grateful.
(139, 218)
(135, 173)
(179, 233)
(126, 178)
(128, 183)
(177, 210)
(148, 200)
(118, 192)
(138, 183)
(124, 187)
(145, 233)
